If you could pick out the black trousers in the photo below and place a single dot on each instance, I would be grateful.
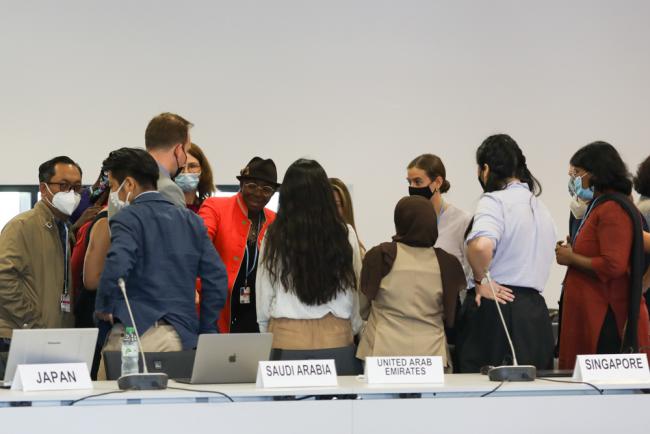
(84, 310)
(609, 342)
(481, 340)
(5, 343)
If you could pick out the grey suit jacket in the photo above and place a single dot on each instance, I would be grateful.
(170, 190)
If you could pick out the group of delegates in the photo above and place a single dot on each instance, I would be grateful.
(193, 263)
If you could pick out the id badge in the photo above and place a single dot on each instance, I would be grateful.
(245, 295)
(65, 303)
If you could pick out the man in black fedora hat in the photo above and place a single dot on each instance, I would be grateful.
(236, 226)
(258, 182)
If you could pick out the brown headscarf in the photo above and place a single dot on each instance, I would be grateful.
(415, 222)
(416, 226)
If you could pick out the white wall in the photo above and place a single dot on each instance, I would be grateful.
(363, 86)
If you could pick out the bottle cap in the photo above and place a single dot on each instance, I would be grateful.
(130, 330)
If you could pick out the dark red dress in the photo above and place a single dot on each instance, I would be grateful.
(605, 237)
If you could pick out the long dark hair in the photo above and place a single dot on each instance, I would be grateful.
(606, 167)
(206, 181)
(307, 247)
(504, 158)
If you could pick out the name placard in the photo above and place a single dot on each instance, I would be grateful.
(612, 367)
(405, 370)
(52, 376)
(296, 373)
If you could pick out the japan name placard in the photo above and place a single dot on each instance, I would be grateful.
(52, 376)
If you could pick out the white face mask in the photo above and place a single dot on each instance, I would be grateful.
(115, 204)
(66, 202)
(578, 207)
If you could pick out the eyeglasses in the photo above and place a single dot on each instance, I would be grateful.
(577, 173)
(66, 186)
(192, 168)
(266, 190)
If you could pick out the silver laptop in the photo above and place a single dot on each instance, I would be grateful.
(229, 358)
(34, 346)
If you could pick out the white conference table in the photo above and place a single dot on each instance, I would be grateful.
(454, 407)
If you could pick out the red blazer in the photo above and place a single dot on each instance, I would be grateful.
(226, 219)
(606, 238)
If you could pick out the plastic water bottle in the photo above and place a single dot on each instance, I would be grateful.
(129, 352)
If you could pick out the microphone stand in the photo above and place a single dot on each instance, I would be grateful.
(514, 372)
(145, 380)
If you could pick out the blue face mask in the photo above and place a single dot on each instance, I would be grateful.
(188, 182)
(586, 194)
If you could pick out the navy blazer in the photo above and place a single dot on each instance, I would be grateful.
(160, 249)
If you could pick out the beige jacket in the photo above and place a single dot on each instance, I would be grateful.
(406, 317)
(31, 273)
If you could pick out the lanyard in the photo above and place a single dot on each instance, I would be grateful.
(251, 267)
(584, 219)
(65, 260)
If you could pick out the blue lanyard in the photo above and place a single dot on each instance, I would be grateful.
(583, 220)
(442, 211)
(249, 271)
(249, 267)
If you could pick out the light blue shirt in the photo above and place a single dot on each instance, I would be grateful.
(523, 233)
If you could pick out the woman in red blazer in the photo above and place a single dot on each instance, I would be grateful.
(602, 310)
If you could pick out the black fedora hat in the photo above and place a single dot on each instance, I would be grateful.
(259, 168)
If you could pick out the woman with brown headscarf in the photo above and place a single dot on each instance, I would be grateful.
(413, 288)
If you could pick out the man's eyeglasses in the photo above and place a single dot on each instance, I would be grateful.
(66, 186)
(266, 189)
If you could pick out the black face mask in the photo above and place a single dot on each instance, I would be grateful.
(425, 192)
(180, 168)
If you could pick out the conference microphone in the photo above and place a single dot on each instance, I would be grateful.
(514, 372)
(145, 380)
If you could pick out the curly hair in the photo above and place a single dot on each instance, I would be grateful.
(606, 167)
(307, 247)
(504, 158)
(133, 162)
(642, 178)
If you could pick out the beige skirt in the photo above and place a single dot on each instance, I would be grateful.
(311, 334)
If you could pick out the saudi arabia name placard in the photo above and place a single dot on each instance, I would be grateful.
(296, 373)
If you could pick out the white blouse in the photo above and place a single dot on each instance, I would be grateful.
(452, 225)
(274, 301)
